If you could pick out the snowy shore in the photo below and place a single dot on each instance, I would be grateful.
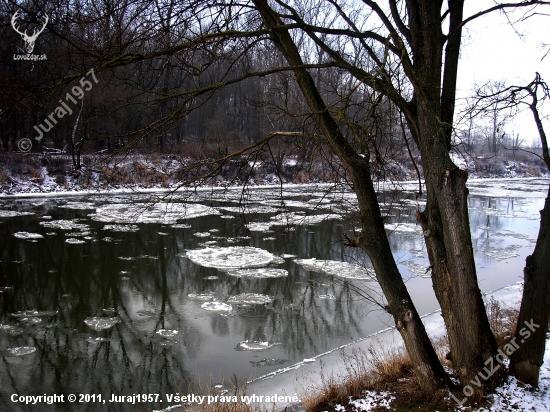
(308, 374)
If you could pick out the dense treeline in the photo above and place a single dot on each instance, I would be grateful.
(146, 104)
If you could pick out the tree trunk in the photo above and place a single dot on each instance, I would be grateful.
(532, 322)
(428, 370)
(445, 221)
(448, 240)
(374, 242)
(526, 361)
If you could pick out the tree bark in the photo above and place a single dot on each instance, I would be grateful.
(428, 370)
(525, 362)
(445, 221)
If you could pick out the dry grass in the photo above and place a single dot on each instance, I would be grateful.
(502, 321)
(390, 370)
(35, 175)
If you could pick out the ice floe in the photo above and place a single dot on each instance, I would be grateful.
(34, 313)
(403, 227)
(97, 340)
(21, 351)
(207, 243)
(164, 213)
(27, 235)
(98, 324)
(232, 257)
(167, 343)
(341, 269)
(328, 297)
(290, 219)
(202, 296)
(12, 213)
(167, 333)
(78, 205)
(417, 269)
(65, 225)
(268, 362)
(258, 273)
(31, 320)
(486, 228)
(250, 299)
(216, 306)
(501, 254)
(74, 241)
(121, 228)
(509, 233)
(11, 330)
(255, 345)
(248, 209)
(78, 234)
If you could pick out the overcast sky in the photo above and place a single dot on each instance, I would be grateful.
(492, 50)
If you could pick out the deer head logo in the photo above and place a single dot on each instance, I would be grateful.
(29, 40)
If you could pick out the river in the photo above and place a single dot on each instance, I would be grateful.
(121, 294)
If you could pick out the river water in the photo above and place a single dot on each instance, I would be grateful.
(156, 294)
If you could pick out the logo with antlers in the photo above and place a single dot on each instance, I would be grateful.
(29, 40)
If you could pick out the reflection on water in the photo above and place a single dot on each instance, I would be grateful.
(212, 288)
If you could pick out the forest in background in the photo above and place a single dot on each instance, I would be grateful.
(143, 120)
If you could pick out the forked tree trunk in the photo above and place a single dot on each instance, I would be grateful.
(374, 242)
(535, 306)
(532, 322)
(445, 220)
(447, 235)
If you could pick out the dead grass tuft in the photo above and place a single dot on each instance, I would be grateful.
(391, 371)
(388, 370)
(502, 321)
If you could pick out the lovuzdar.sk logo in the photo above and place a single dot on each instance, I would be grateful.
(29, 40)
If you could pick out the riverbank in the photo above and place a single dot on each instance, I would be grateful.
(312, 379)
(316, 381)
(47, 173)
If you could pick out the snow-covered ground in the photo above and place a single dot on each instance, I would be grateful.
(308, 374)
(135, 172)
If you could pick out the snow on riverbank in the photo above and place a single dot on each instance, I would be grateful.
(34, 173)
(308, 374)
(493, 187)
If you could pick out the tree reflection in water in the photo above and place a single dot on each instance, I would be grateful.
(142, 279)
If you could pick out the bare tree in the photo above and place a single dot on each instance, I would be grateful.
(407, 54)
(533, 318)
